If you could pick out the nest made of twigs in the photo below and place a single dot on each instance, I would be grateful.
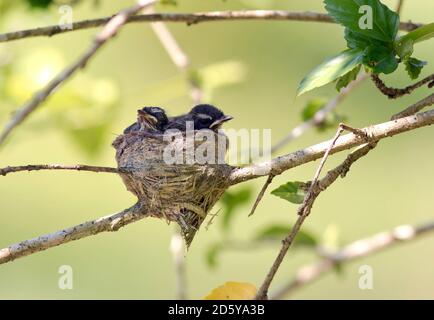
(180, 192)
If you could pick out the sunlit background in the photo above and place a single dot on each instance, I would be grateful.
(251, 70)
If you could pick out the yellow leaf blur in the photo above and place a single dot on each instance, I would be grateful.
(233, 291)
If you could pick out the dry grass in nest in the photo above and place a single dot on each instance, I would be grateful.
(183, 193)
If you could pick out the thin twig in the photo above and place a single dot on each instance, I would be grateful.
(321, 115)
(303, 212)
(238, 175)
(113, 25)
(182, 62)
(415, 108)
(394, 93)
(375, 133)
(109, 223)
(177, 55)
(77, 167)
(189, 18)
(177, 248)
(261, 194)
(358, 249)
(399, 6)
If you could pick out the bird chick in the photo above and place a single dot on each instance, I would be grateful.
(152, 119)
(202, 116)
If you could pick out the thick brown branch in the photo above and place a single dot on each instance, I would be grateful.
(110, 29)
(189, 18)
(357, 249)
(78, 167)
(108, 223)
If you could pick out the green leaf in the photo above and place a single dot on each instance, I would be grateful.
(231, 201)
(293, 192)
(359, 41)
(414, 67)
(212, 254)
(40, 4)
(169, 2)
(312, 107)
(381, 59)
(418, 35)
(277, 232)
(404, 45)
(347, 78)
(346, 12)
(331, 69)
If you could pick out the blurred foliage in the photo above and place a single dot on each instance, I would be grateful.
(233, 291)
(231, 202)
(332, 119)
(277, 232)
(293, 192)
(84, 109)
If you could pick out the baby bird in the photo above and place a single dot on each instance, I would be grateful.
(149, 119)
(202, 116)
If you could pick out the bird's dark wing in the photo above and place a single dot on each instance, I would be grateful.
(134, 127)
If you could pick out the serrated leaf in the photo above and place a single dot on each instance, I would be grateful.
(278, 232)
(346, 12)
(233, 291)
(231, 201)
(331, 69)
(414, 67)
(346, 79)
(381, 59)
(291, 191)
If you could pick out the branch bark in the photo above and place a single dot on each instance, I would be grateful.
(188, 18)
(358, 249)
(109, 223)
(375, 133)
(78, 167)
(320, 115)
(110, 29)
(238, 175)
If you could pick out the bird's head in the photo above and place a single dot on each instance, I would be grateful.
(153, 117)
(206, 116)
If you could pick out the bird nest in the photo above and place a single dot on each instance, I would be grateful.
(183, 191)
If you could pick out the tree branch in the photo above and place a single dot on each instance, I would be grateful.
(238, 175)
(110, 29)
(418, 106)
(358, 249)
(189, 18)
(394, 93)
(320, 115)
(109, 223)
(303, 212)
(375, 133)
(78, 167)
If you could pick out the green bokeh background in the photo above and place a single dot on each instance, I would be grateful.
(393, 185)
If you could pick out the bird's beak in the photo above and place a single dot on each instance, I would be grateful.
(147, 117)
(218, 123)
